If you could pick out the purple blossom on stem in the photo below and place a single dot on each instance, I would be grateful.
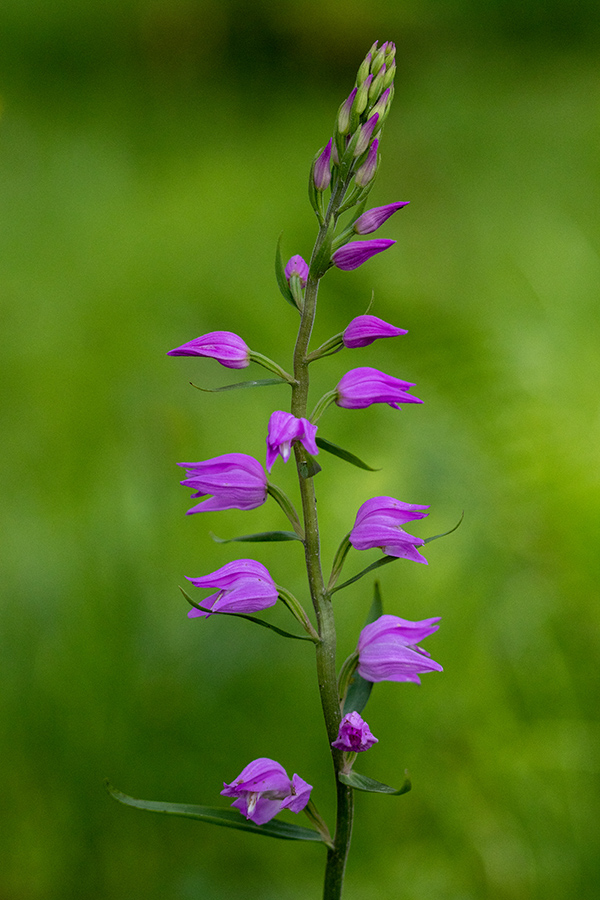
(322, 169)
(263, 788)
(354, 735)
(366, 172)
(297, 266)
(366, 132)
(363, 330)
(388, 650)
(236, 481)
(244, 586)
(343, 122)
(378, 524)
(224, 346)
(283, 430)
(354, 254)
(361, 387)
(372, 219)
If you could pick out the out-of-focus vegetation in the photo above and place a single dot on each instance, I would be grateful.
(150, 154)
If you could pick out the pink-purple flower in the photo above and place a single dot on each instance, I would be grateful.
(361, 387)
(243, 586)
(235, 480)
(297, 266)
(379, 524)
(363, 330)
(365, 134)
(365, 173)
(263, 788)
(354, 254)
(322, 169)
(354, 735)
(372, 219)
(388, 650)
(224, 346)
(283, 430)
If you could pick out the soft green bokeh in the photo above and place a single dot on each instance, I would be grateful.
(150, 155)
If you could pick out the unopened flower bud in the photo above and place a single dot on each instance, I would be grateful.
(378, 59)
(381, 107)
(390, 71)
(362, 97)
(364, 138)
(343, 121)
(390, 53)
(354, 735)
(372, 219)
(354, 254)
(365, 174)
(376, 88)
(297, 266)
(322, 170)
(364, 69)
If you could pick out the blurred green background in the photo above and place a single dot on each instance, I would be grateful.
(150, 155)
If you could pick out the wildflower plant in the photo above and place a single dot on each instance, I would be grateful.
(388, 647)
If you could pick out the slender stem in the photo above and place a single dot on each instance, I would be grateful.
(325, 649)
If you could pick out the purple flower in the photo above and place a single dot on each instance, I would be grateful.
(224, 346)
(235, 480)
(283, 430)
(372, 219)
(388, 651)
(354, 254)
(354, 735)
(297, 266)
(322, 169)
(343, 122)
(378, 524)
(263, 789)
(366, 172)
(365, 134)
(361, 387)
(244, 586)
(363, 330)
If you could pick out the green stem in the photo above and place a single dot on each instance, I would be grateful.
(325, 649)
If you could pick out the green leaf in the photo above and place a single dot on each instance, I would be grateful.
(229, 818)
(436, 536)
(376, 609)
(363, 783)
(287, 634)
(357, 695)
(344, 454)
(376, 565)
(280, 275)
(262, 382)
(261, 537)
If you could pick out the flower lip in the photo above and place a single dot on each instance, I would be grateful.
(364, 330)
(235, 480)
(388, 649)
(354, 735)
(224, 346)
(263, 788)
(284, 429)
(361, 387)
(355, 253)
(244, 586)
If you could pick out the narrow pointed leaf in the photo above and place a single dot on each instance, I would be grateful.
(343, 454)
(436, 536)
(363, 783)
(229, 818)
(280, 275)
(376, 565)
(261, 382)
(260, 538)
(287, 634)
(358, 694)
